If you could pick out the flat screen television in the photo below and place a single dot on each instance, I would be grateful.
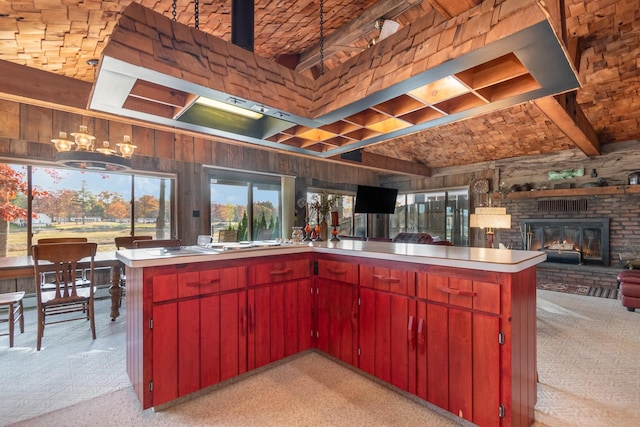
(375, 200)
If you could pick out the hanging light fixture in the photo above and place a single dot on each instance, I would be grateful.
(81, 153)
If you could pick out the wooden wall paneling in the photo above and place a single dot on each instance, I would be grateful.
(205, 202)
(236, 158)
(143, 138)
(220, 154)
(115, 132)
(9, 119)
(19, 148)
(63, 121)
(34, 150)
(258, 159)
(202, 149)
(184, 148)
(188, 199)
(164, 145)
(35, 123)
(100, 129)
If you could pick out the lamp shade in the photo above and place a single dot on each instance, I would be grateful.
(490, 217)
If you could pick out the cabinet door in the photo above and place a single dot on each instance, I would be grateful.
(165, 353)
(233, 334)
(164, 338)
(279, 321)
(297, 316)
(337, 319)
(387, 324)
(188, 346)
(210, 348)
(305, 314)
(402, 344)
(259, 344)
(385, 337)
(458, 360)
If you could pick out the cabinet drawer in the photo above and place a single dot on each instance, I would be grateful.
(194, 283)
(476, 295)
(339, 271)
(279, 271)
(164, 287)
(388, 279)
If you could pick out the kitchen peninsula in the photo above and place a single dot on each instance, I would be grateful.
(455, 326)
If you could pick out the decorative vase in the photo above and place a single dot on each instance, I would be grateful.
(324, 229)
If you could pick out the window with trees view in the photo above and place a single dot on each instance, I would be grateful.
(443, 214)
(341, 203)
(231, 196)
(69, 203)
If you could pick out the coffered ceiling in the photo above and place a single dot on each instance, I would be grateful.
(603, 39)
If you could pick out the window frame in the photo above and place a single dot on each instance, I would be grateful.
(247, 180)
(132, 174)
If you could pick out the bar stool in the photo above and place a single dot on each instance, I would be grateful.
(14, 302)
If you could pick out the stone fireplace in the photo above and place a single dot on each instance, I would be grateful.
(570, 241)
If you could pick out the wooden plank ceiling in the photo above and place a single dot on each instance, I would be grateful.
(59, 37)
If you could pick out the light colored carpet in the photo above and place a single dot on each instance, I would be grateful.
(588, 366)
(588, 362)
(309, 390)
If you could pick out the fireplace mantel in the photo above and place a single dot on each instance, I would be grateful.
(569, 192)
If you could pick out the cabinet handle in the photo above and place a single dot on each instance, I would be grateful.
(386, 278)
(285, 271)
(332, 271)
(354, 314)
(421, 339)
(411, 334)
(459, 292)
(243, 321)
(211, 282)
(252, 319)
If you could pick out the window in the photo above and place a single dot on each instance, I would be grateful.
(78, 203)
(343, 204)
(232, 193)
(443, 214)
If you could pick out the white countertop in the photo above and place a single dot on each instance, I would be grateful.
(498, 260)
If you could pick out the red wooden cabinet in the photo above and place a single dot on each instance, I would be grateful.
(387, 325)
(279, 307)
(337, 310)
(458, 356)
(198, 337)
(461, 339)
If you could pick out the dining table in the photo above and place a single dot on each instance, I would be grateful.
(20, 267)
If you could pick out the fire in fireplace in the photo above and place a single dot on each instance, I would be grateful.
(573, 241)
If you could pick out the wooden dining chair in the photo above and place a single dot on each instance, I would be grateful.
(119, 283)
(12, 302)
(126, 242)
(66, 295)
(157, 243)
(47, 240)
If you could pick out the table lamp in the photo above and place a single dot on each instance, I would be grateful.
(490, 218)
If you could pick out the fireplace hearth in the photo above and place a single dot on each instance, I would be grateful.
(571, 241)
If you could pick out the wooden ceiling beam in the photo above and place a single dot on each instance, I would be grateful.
(354, 30)
(564, 112)
(30, 85)
(388, 164)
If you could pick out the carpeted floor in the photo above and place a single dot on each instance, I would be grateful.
(587, 365)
